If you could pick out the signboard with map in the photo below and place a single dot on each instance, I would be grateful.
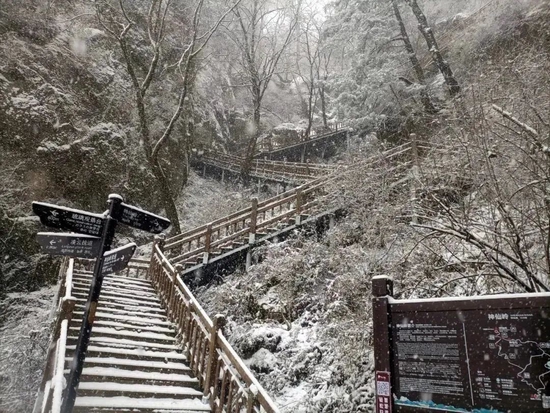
(488, 354)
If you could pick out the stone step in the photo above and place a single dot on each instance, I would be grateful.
(139, 310)
(176, 367)
(119, 375)
(107, 283)
(159, 338)
(141, 405)
(111, 277)
(140, 353)
(119, 291)
(101, 321)
(124, 343)
(111, 388)
(115, 299)
(153, 319)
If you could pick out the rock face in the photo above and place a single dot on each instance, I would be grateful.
(67, 131)
(22, 268)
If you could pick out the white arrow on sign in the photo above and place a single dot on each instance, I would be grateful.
(117, 259)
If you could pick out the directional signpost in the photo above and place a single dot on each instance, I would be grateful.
(72, 245)
(93, 239)
(117, 259)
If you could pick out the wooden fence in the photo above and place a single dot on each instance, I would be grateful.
(267, 169)
(51, 387)
(228, 384)
(244, 226)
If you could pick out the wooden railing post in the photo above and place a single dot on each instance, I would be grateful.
(207, 243)
(252, 231)
(159, 242)
(251, 399)
(217, 324)
(253, 221)
(299, 203)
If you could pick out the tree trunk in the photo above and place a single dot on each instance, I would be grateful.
(424, 96)
(433, 47)
(246, 167)
(323, 107)
(166, 197)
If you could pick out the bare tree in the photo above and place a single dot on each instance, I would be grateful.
(433, 47)
(117, 21)
(424, 96)
(309, 52)
(262, 34)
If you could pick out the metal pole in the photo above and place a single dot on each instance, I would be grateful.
(91, 306)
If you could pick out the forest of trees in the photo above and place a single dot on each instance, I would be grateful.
(116, 96)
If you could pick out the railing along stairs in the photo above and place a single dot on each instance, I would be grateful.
(153, 347)
(293, 173)
(161, 349)
(193, 250)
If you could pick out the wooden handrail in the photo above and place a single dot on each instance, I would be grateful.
(260, 215)
(51, 388)
(58, 379)
(226, 381)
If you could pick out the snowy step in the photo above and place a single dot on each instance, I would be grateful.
(95, 350)
(164, 366)
(107, 283)
(94, 374)
(106, 297)
(122, 280)
(127, 333)
(121, 403)
(104, 389)
(139, 310)
(132, 326)
(109, 296)
(118, 290)
(126, 316)
(124, 343)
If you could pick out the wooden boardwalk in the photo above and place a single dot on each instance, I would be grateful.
(227, 167)
(153, 347)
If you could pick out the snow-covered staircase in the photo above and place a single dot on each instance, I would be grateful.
(133, 361)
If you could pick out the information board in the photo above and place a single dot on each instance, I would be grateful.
(472, 360)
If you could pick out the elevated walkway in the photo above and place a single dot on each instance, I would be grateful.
(153, 348)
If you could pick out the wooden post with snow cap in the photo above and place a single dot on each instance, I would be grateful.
(252, 231)
(299, 203)
(252, 393)
(217, 324)
(382, 290)
(207, 243)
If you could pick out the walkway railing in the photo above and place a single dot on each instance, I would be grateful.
(263, 168)
(228, 384)
(248, 222)
(51, 388)
(284, 209)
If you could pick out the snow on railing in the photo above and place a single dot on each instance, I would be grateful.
(51, 388)
(200, 243)
(227, 383)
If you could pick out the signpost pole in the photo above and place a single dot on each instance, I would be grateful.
(107, 235)
(382, 289)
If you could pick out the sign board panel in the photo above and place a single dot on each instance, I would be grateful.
(117, 259)
(69, 219)
(470, 360)
(140, 219)
(71, 245)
